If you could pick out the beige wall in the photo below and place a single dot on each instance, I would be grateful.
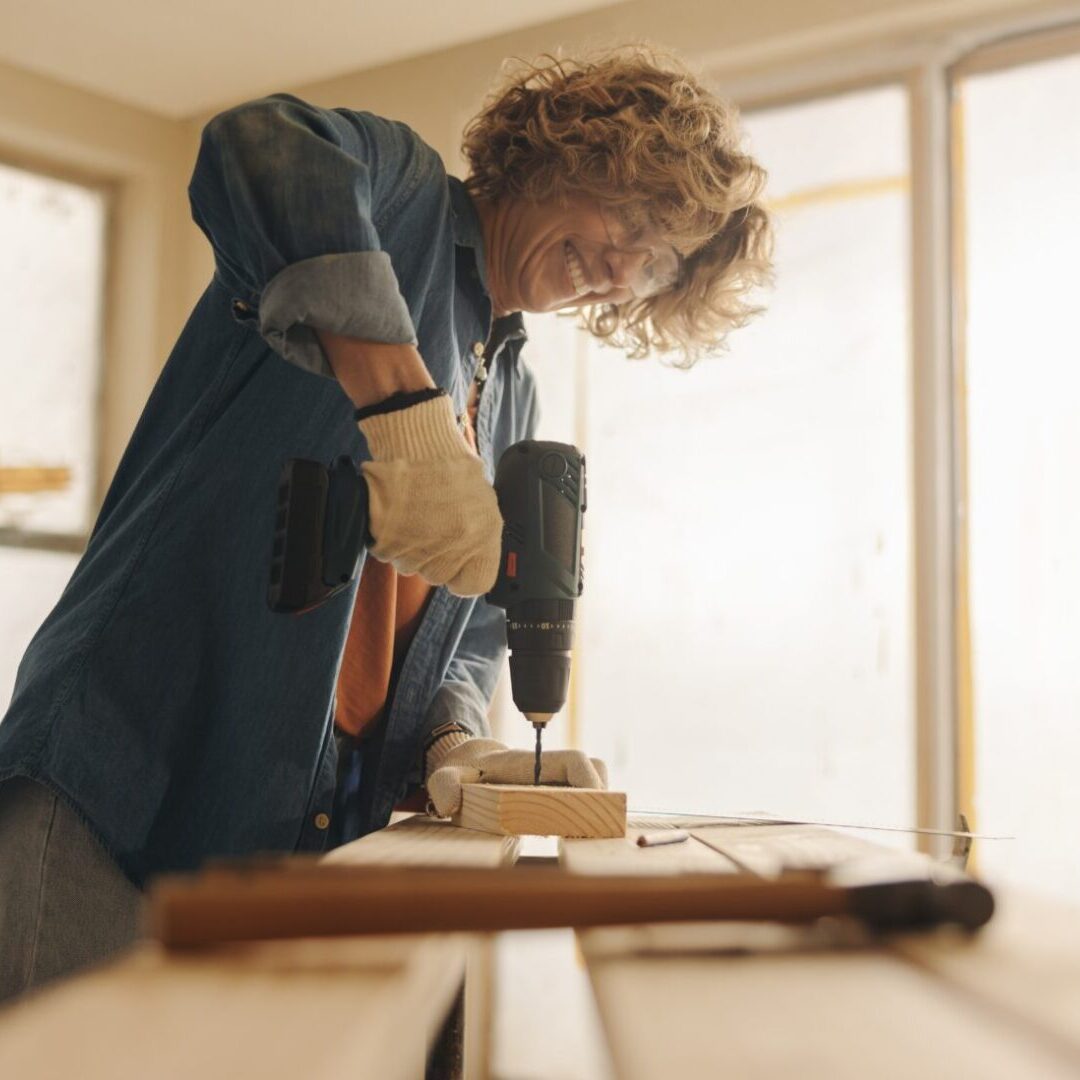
(436, 93)
(160, 263)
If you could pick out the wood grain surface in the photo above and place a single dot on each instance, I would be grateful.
(524, 810)
(424, 841)
(622, 855)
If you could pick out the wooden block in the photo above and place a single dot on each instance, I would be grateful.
(524, 810)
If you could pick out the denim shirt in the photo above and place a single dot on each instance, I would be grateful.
(161, 697)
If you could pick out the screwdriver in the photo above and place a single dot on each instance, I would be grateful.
(536, 765)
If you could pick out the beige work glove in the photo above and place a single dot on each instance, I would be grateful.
(457, 759)
(431, 510)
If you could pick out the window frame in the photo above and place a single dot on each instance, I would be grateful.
(1008, 51)
(75, 543)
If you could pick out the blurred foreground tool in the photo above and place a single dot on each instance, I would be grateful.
(229, 905)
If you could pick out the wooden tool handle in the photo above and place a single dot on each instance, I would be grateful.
(329, 901)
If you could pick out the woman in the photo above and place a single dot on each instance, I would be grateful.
(363, 302)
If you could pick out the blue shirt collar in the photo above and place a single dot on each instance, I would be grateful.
(510, 329)
(467, 231)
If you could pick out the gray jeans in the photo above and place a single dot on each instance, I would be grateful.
(64, 903)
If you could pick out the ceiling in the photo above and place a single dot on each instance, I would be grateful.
(181, 57)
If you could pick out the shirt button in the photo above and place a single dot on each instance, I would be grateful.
(478, 349)
(322, 821)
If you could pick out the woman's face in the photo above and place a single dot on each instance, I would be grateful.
(550, 256)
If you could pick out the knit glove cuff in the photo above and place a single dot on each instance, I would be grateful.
(438, 753)
(425, 432)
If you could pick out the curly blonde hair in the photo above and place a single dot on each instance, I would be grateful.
(635, 128)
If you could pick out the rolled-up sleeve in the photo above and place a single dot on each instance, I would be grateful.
(290, 198)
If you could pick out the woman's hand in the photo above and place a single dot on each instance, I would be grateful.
(486, 761)
(431, 510)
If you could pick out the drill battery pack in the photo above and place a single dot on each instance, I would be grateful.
(320, 531)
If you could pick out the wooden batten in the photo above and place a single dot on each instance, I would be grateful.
(524, 810)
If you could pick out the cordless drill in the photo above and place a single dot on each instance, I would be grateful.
(322, 528)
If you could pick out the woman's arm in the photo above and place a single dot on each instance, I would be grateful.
(290, 197)
(370, 371)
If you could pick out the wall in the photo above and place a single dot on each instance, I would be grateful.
(160, 263)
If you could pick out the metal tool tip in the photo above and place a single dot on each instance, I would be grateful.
(536, 766)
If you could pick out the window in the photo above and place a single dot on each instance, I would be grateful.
(1019, 177)
(744, 634)
(51, 281)
(749, 637)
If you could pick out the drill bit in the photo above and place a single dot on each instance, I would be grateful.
(536, 766)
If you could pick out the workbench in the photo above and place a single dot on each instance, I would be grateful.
(760, 1001)
(331, 1009)
(684, 1001)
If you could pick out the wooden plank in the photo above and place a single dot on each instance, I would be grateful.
(701, 1000)
(325, 1010)
(622, 855)
(770, 850)
(424, 841)
(825, 1016)
(308, 1008)
(525, 810)
(694, 856)
(480, 1005)
(1025, 965)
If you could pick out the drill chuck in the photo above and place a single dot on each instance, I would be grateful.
(540, 635)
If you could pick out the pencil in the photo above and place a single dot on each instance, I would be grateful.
(668, 836)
